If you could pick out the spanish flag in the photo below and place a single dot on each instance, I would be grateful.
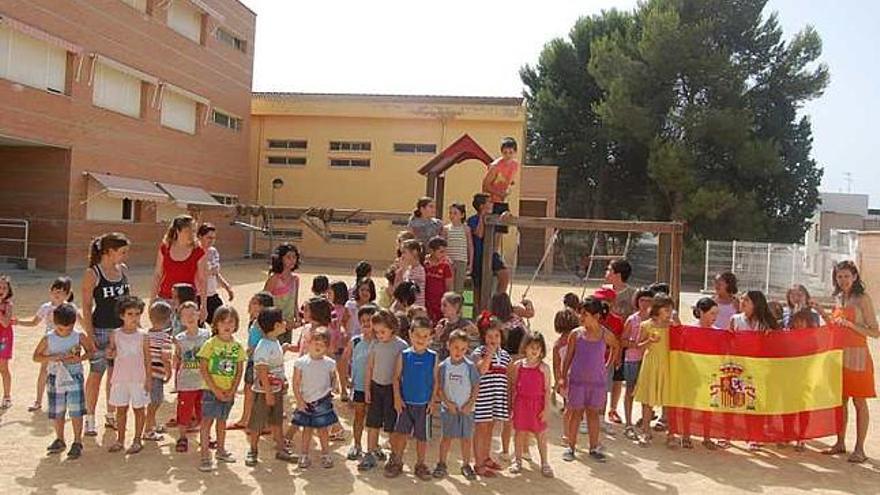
(764, 387)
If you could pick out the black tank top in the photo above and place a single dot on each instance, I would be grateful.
(105, 294)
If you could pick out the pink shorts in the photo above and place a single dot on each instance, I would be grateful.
(6, 340)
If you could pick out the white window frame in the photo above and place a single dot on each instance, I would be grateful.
(179, 29)
(54, 63)
(235, 122)
(104, 67)
(231, 39)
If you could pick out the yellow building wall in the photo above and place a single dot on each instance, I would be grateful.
(392, 182)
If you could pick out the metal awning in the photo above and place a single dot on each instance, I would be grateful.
(39, 34)
(188, 195)
(118, 187)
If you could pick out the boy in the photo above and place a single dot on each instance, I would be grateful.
(477, 223)
(189, 379)
(415, 376)
(159, 340)
(438, 277)
(62, 349)
(633, 353)
(269, 386)
(221, 361)
(617, 274)
(314, 381)
(180, 293)
(356, 356)
(499, 178)
(259, 302)
(458, 382)
(378, 379)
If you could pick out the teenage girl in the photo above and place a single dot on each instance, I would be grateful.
(725, 296)
(755, 314)
(706, 312)
(283, 284)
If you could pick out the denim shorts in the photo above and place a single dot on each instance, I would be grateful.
(157, 391)
(413, 421)
(318, 414)
(212, 407)
(249, 373)
(631, 373)
(99, 362)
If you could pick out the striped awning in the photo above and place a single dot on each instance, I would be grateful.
(188, 195)
(125, 69)
(39, 34)
(119, 187)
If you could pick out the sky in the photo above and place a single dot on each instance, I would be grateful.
(477, 47)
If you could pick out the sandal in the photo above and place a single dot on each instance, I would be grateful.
(135, 448)
(485, 472)
(182, 445)
(250, 459)
(327, 462)
(422, 472)
(660, 425)
(709, 445)
(645, 440)
(492, 464)
(834, 450)
(440, 471)
(6, 403)
(800, 447)
(686, 443)
(116, 447)
(857, 458)
(515, 467)
(547, 471)
(283, 455)
(613, 417)
(36, 406)
(153, 436)
(110, 422)
(236, 426)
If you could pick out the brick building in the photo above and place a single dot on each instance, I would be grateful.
(118, 115)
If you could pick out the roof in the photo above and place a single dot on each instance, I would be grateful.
(437, 99)
(464, 148)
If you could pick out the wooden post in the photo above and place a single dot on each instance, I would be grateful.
(486, 281)
(439, 191)
(676, 251)
(431, 188)
(664, 249)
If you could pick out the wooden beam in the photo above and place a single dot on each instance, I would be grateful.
(587, 224)
(664, 260)
(675, 257)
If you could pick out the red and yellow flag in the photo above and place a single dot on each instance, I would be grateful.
(764, 387)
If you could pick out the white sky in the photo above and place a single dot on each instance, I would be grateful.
(476, 47)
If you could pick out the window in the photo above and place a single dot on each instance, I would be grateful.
(350, 221)
(140, 5)
(178, 112)
(225, 199)
(350, 163)
(127, 210)
(287, 160)
(32, 62)
(186, 20)
(226, 120)
(348, 236)
(230, 39)
(288, 144)
(282, 233)
(415, 148)
(400, 223)
(349, 146)
(117, 91)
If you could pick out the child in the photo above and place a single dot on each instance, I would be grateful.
(412, 268)
(355, 359)
(458, 383)
(477, 226)
(59, 292)
(364, 293)
(405, 296)
(499, 179)
(320, 286)
(283, 284)
(461, 246)
(571, 302)
(159, 342)
(585, 374)
(654, 384)
(492, 403)
(129, 384)
(563, 323)
(180, 293)
(725, 296)
(220, 361)
(450, 308)
(706, 313)
(415, 376)
(339, 323)
(530, 395)
(189, 383)
(438, 277)
(363, 270)
(633, 354)
(268, 387)
(260, 301)
(61, 351)
(422, 223)
(797, 299)
(379, 393)
(7, 315)
(755, 314)
(314, 380)
(617, 274)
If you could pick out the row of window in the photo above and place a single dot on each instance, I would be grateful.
(297, 235)
(188, 20)
(351, 146)
(300, 161)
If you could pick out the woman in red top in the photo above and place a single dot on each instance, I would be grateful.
(181, 260)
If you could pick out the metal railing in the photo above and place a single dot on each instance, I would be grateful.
(15, 225)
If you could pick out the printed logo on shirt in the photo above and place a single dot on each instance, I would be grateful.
(114, 291)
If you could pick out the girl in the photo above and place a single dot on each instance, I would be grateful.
(181, 260)
(129, 382)
(450, 308)
(258, 303)
(654, 385)
(207, 235)
(725, 296)
(854, 312)
(633, 354)
(706, 312)
(362, 271)
(405, 295)
(412, 268)
(493, 397)
(104, 284)
(283, 284)
(796, 299)
(6, 339)
(585, 374)
(60, 291)
(314, 381)
(363, 293)
(564, 322)
(438, 277)
(460, 245)
(755, 314)
(422, 223)
(339, 334)
(530, 395)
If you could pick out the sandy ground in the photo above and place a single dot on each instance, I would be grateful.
(24, 467)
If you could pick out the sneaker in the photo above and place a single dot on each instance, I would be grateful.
(250, 459)
(56, 447)
(600, 448)
(598, 456)
(468, 472)
(547, 471)
(90, 429)
(135, 448)
(6, 403)
(153, 436)
(286, 456)
(36, 406)
(224, 456)
(368, 462)
(304, 461)
(607, 428)
(75, 451)
(160, 429)
(584, 429)
(381, 455)
(354, 453)
(422, 472)
(440, 470)
(326, 461)
(515, 467)
(568, 454)
(630, 433)
(206, 466)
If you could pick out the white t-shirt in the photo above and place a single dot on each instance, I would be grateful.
(213, 261)
(44, 313)
(317, 376)
(268, 352)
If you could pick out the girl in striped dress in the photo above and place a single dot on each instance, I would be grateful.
(460, 246)
(492, 404)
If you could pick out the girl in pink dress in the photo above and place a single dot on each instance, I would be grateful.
(6, 339)
(530, 395)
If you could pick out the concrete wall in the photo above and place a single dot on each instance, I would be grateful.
(869, 263)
